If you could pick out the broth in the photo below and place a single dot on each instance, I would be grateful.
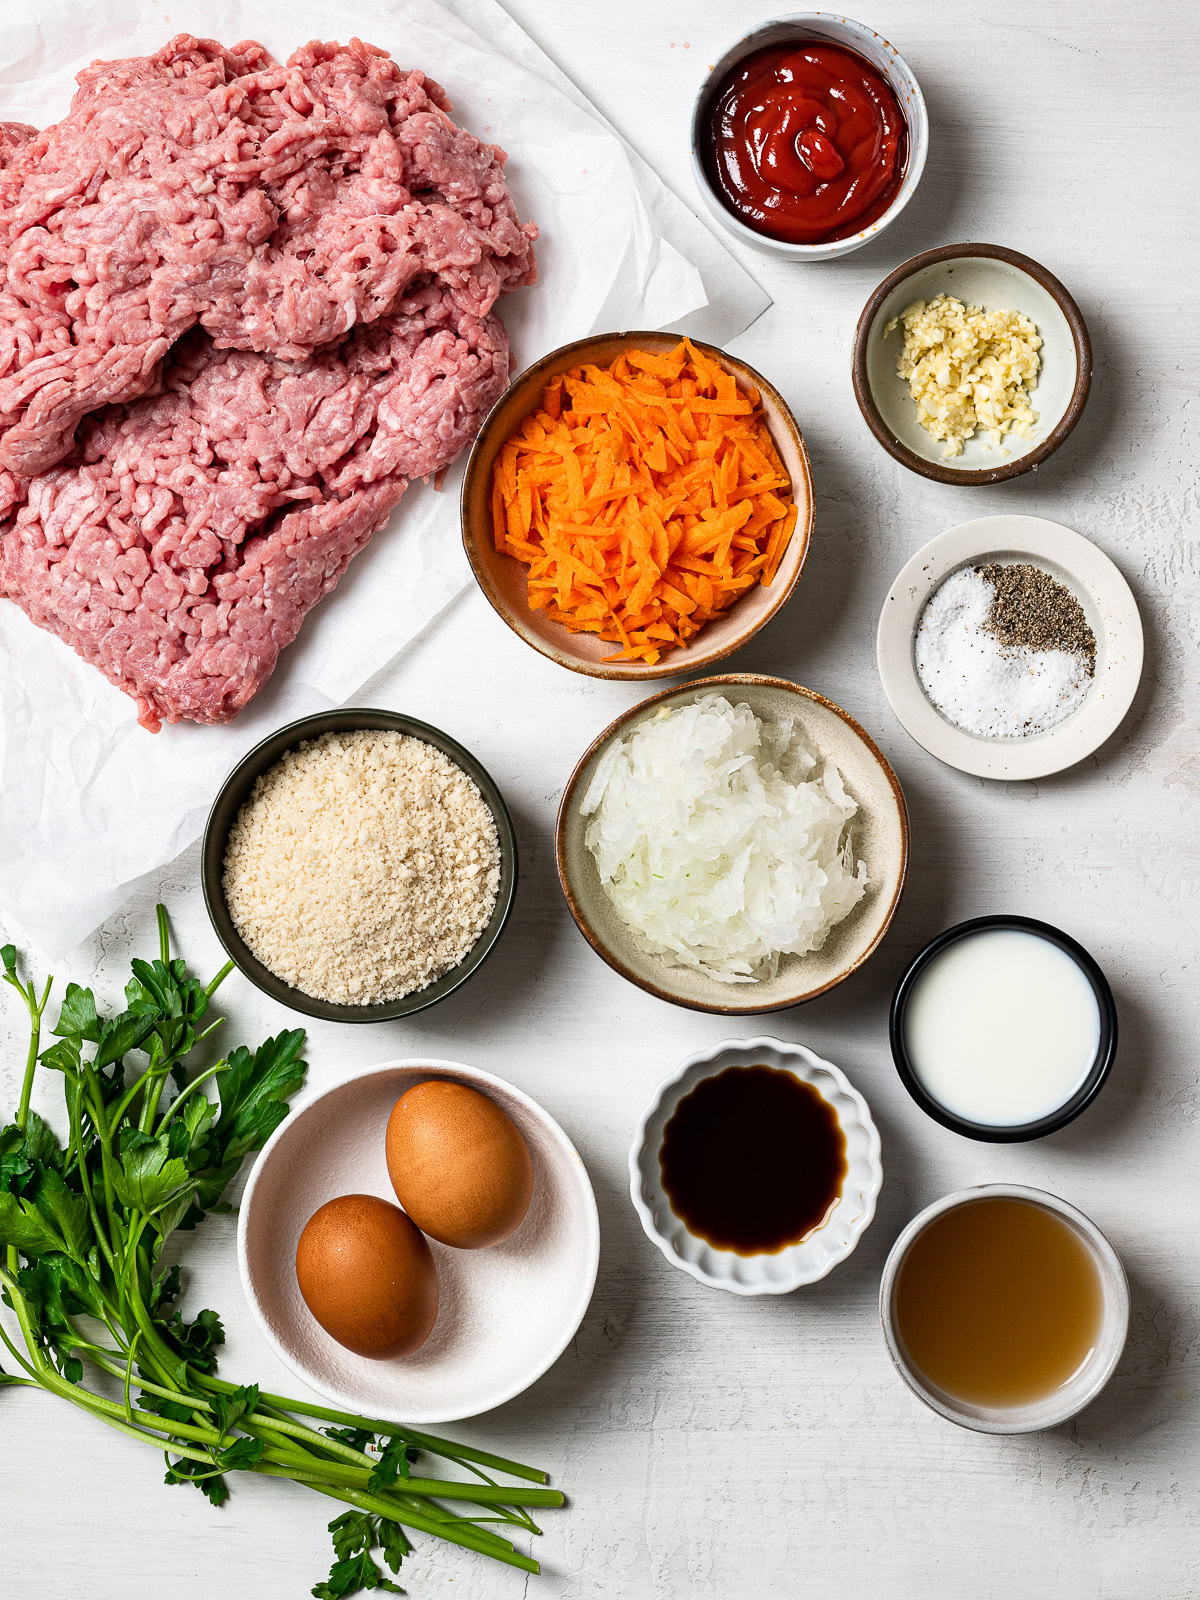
(998, 1302)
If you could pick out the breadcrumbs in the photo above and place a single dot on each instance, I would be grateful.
(968, 369)
(363, 866)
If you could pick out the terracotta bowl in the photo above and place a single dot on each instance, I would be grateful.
(503, 579)
(1000, 280)
(879, 832)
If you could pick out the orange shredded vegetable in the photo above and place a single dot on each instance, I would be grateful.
(644, 498)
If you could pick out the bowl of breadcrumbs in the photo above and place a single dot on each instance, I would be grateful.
(359, 865)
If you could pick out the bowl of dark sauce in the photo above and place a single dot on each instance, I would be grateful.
(809, 136)
(756, 1167)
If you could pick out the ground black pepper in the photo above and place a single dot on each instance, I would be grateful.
(1033, 611)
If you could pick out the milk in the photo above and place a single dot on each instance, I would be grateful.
(1002, 1027)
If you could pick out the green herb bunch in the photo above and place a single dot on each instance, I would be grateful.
(82, 1228)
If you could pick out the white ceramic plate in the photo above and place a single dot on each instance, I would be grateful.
(1111, 612)
(801, 1263)
(505, 1314)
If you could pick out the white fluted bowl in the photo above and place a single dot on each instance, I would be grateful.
(797, 1264)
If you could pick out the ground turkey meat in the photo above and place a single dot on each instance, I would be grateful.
(181, 546)
(276, 206)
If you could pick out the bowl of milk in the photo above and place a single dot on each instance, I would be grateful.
(1003, 1029)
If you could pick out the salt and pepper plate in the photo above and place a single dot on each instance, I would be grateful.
(1111, 612)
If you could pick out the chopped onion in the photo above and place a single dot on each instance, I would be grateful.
(719, 843)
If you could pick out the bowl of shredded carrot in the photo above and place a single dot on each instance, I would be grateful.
(637, 505)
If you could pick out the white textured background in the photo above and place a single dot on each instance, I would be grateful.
(743, 1451)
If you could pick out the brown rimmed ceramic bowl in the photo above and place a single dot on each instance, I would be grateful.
(1000, 280)
(879, 833)
(503, 579)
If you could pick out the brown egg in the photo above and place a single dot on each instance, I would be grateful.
(367, 1275)
(458, 1165)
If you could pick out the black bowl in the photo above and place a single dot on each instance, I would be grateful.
(228, 803)
(1090, 1087)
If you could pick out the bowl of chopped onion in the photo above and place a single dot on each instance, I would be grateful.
(638, 506)
(735, 845)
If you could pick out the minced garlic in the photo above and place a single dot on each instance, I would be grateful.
(968, 369)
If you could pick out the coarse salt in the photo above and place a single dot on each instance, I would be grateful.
(988, 689)
(363, 866)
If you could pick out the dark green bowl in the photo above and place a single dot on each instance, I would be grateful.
(236, 789)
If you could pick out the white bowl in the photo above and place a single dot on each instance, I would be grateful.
(884, 57)
(1107, 602)
(505, 1314)
(1080, 1390)
(798, 1264)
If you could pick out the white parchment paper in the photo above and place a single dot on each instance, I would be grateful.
(91, 803)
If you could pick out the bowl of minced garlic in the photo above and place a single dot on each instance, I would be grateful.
(359, 865)
(972, 364)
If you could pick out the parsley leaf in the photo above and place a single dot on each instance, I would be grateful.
(241, 1453)
(147, 1180)
(66, 1212)
(23, 1225)
(228, 1410)
(394, 1463)
(77, 1019)
(40, 1142)
(195, 1340)
(355, 1534)
(15, 1165)
(254, 1092)
(349, 1576)
(119, 1035)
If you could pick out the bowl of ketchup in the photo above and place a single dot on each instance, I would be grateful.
(809, 136)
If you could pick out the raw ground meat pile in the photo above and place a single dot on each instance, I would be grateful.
(241, 305)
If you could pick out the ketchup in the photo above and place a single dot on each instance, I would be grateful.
(806, 143)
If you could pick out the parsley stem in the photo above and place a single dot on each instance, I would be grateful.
(35, 1008)
(16, 1354)
(133, 1344)
(465, 1534)
(201, 1077)
(449, 1448)
(219, 979)
(90, 1199)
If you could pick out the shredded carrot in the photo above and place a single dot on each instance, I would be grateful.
(645, 498)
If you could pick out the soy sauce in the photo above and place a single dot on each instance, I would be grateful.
(752, 1160)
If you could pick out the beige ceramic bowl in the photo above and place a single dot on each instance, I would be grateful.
(880, 835)
(503, 579)
(998, 279)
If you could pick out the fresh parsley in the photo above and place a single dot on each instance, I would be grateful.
(150, 1152)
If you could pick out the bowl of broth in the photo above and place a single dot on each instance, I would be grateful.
(1004, 1308)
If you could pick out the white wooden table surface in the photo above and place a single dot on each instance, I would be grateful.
(737, 1450)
